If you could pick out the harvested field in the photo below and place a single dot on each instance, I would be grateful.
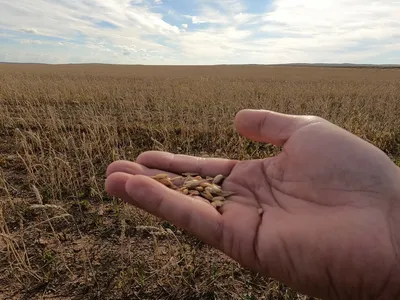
(63, 237)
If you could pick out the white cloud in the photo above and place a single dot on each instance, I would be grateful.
(29, 30)
(27, 41)
(306, 31)
(209, 14)
(245, 18)
(67, 18)
(228, 6)
(326, 26)
(219, 31)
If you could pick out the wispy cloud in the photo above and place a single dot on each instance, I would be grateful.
(29, 30)
(200, 31)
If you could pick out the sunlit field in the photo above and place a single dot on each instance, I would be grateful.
(63, 237)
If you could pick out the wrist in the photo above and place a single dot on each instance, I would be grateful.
(392, 289)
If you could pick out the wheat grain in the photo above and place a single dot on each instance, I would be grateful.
(208, 188)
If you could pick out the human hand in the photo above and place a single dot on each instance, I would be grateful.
(331, 206)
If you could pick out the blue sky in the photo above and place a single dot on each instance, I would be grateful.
(200, 31)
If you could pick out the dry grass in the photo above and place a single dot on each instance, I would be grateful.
(62, 237)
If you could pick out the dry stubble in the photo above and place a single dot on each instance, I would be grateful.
(60, 126)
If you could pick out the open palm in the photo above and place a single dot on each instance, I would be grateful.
(329, 205)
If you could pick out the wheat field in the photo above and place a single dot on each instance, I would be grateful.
(63, 237)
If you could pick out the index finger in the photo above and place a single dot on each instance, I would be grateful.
(180, 163)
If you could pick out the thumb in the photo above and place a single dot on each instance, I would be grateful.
(269, 126)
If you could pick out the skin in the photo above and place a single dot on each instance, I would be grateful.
(330, 226)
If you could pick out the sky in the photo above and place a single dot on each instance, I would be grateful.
(187, 32)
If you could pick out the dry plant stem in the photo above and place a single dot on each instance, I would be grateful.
(60, 126)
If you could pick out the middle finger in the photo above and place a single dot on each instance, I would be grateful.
(133, 168)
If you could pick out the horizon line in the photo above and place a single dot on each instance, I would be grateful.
(210, 65)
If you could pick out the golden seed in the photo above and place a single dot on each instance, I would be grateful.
(218, 198)
(194, 193)
(165, 181)
(218, 179)
(207, 195)
(160, 176)
(192, 184)
(205, 184)
(215, 190)
(217, 203)
(208, 190)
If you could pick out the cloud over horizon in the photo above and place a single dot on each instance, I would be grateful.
(200, 31)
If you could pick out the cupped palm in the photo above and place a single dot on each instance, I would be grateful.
(320, 216)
